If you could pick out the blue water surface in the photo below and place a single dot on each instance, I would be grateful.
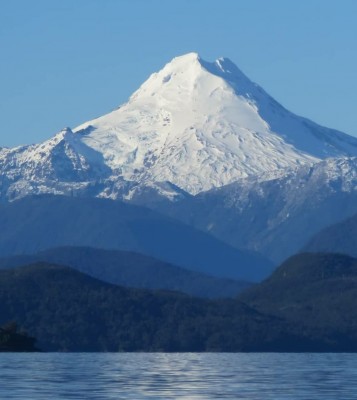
(177, 376)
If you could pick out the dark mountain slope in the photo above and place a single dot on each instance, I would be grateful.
(132, 270)
(309, 304)
(337, 238)
(69, 311)
(38, 223)
(275, 217)
(315, 292)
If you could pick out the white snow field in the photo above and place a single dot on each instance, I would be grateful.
(192, 126)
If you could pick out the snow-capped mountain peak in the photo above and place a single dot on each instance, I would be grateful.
(192, 126)
(200, 125)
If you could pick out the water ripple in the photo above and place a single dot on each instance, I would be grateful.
(138, 376)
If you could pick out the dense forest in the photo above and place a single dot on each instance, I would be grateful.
(69, 311)
(317, 294)
(308, 304)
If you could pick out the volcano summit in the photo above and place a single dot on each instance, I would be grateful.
(190, 127)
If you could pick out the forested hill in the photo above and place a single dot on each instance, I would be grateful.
(69, 311)
(308, 304)
(317, 293)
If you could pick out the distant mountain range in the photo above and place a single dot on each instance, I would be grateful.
(132, 270)
(201, 143)
(38, 223)
(201, 183)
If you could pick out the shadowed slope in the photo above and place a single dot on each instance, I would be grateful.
(38, 223)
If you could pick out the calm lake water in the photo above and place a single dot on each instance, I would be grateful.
(178, 376)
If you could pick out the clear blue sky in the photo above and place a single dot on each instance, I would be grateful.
(63, 62)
